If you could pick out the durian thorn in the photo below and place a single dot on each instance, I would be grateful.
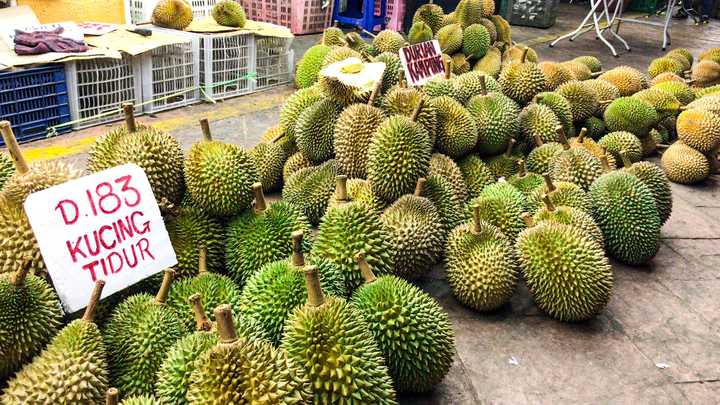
(416, 111)
(483, 86)
(202, 260)
(521, 168)
(21, 165)
(365, 270)
(477, 225)
(205, 126)
(225, 325)
(162, 294)
(561, 136)
(312, 282)
(548, 204)
(538, 140)
(527, 219)
(202, 323)
(446, 66)
(111, 396)
(375, 91)
(89, 315)
(581, 136)
(18, 279)
(298, 258)
(260, 206)
(510, 146)
(419, 186)
(625, 160)
(129, 111)
(524, 54)
(596, 74)
(549, 183)
(341, 193)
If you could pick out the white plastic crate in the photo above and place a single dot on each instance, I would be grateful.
(273, 61)
(226, 60)
(170, 76)
(100, 86)
(140, 11)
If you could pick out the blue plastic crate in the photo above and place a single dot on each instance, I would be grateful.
(33, 100)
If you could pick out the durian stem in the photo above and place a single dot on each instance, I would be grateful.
(260, 205)
(416, 111)
(366, 32)
(561, 136)
(278, 137)
(605, 164)
(111, 396)
(538, 140)
(521, 168)
(225, 325)
(129, 111)
(511, 145)
(477, 226)
(690, 81)
(662, 146)
(202, 323)
(625, 160)
(89, 315)
(170, 208)
(21, 165)
(202, 260)
(524, 54)
(312, 281)
(581, 136)
(446, 65)
(298, 258)
(549, 183)
(205, 126)
(401, 75)
(596, 74)
(419, 186)
(548, 204)
(483, 85)
(376, 91)
(365, 270)
(162, 293)
(341, 193)
(527, 219)
(18, 279)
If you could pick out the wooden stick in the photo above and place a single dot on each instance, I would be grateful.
(625, 160)
(260, 206)
(21, 165)
(89, 315)
(521, 168)
(225, 325)
(205, 126)
(129, 111)
(162, 293)
(298, 258)
(365, 270)
(312, 281)
(524, 54)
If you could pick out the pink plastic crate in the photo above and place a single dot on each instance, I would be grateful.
(395, 13)
(301, 16)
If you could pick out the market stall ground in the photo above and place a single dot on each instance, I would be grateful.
(659, 339)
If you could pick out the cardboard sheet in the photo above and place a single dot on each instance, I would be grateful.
(208, 25)
(134, 44)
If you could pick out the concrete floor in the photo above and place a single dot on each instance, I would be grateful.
(658, 342)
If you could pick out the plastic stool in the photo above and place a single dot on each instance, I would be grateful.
(359, 13)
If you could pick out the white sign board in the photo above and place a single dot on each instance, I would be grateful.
(421, 62)
(105, 226)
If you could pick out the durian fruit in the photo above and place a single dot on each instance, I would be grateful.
(578, 70)
(441, 86)
(504, 165)
(388, 41)
(476, 41)
(539, 159)
(582, 141)
(699, 129)
(575, 165)
(555, 74)
(242, 370)
(18, 240)
(340, 53)
(496, 119)
(522, 80)
(353, 69)
(460, 63)
(560, 194)
(277, 288)
(630, 114)
(188, 228)
(333, 345)
(622, 142)
(440, 191)
(650, 142)
(315, 128)
(457, 132)
(7, 168)
(449, 18)
(664, 103)
(450, 38)
(560, 106)
(490, 63)
(401, 100)
(706, 73)
(470, 84)
(707, 103)
(624, 208)
(175, 14)
(626, 79)
(656, 181)
(31, 316)
(682, 52)
(665, 64)
(666, 77)
(430, 14)
(333, 36)
(444, 166)
(308, 189)
(524, 181)
(502, 27)
(582, 98)
(569, 216)
(515, 54)
(417, 233)
(348, 228)
(261, 235)
(683, 164)
(276, 135)
(501, 205)
(538, 120)
(219, 175)
(295, 104)
(481, 267)
(565, 270)
(606, 93)
(72, 369)
(476, 175)
(712, 54)
(308, 67)
(359, 191)
(591, 62)
(269, 160)
(112, 395)
(229, 13)
(469, 12)
(293, 164)
(680, 90)
(398, 155)
(492, 31)
(411, 329)
(391, 75)
(707, 91)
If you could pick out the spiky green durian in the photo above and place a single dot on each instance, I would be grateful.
(276, 135)
(388, 41)
(457, 131)
(539, 159)
(354, 130)
(29, 317)
(440, 86)
(38, 176)
(560, 193)
(699, 130)
(243, 370)
(522, 80)
(539, 121)
(175, 14)
(309, 66)
(591, 62)
(293, 164)
(219, 176)
(622, 142)
(469, 84)
(708, 103)
(626, 79)
(582, 98)
(680, 90)
(7, 168)
(707, 91)
(417, 233)
(450, 38)
(308, 189)
(685, 165)
(666, 77)
(229, 13)
(294, 106)
(496, 118)
(340, 53)
(525, 182)
(569, 216)
(143, 399)
(410, 328)
(18, 239)
(560, 106)
(391, 74)
(706, 73)
(72, 369)
(315, 128)
(504, 165)
(501, 205)
(575, 165)
(189, 227)
(481, 267)
(333, 36)
(269, 160)
(595, 128)
(476, 175)
(403, 101)
(469, 12)
(502, 29)
(515, 54)
(444, 166)
(420, 32)
(606, 92)
(566, 271)
(460, 63)
(431, 14)
(490, 63)
(624, 208)
(665, 64)
(630, 114)
(578, 70)
(440, 191)
(157, 153)
(330, 341)
(138, 335)
(476, 41)
(583, 141)
(657, 182)
(555, 74)
(664, 103)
